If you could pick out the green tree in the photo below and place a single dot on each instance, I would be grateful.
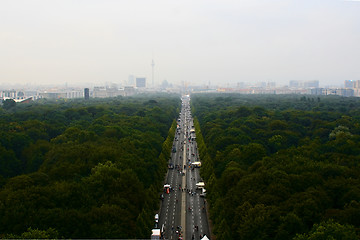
(9, 104)
(329, 230)
(31, 233)
(10, 165)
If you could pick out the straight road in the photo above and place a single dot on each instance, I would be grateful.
(183, 211)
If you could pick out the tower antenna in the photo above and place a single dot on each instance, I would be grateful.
(153, 65)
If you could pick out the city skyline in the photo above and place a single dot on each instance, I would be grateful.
(222, 42)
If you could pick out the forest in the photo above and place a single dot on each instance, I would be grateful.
(84, 168)
(280, 166)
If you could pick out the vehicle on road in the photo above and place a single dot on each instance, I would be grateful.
(205, 238)
(167, 188)
(203, 192)
(156, 234)
(200, 185)
(196, 164)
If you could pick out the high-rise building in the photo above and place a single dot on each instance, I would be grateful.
(140, 82)
(294, 84)
(271, 84)
(356, 87)
(311, 84)
(357, 84)
(131, 80)
(349, 83)
(86, 93)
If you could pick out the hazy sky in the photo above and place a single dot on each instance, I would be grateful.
(221, 41)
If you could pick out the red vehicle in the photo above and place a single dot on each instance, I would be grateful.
(167, 188)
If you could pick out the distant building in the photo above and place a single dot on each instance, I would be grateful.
(141, 82)
(131, 80)
(304, 84)
(317, 91)
(345, 92)
(271, 84)
(114, 92)
(240, 85)
(99, 92)
(357, 84)
(74, 94)
(294, 84)
(311, 84)
(53, 94)
(261, 84)
(349, 83)
(86, 93)
(105, 92)
(164, 84)
(129, 90)
(19, 95)
(8, 94)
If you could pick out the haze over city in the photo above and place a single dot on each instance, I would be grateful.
(201, 41)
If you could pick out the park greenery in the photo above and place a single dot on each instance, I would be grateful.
(84, 169)
(280, 166)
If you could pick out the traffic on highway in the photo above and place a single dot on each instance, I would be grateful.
(183, 212)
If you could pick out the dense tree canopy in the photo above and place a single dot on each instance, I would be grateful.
(280, 167)
(84, 169)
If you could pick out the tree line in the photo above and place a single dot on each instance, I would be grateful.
(280, 167)
(84, 169)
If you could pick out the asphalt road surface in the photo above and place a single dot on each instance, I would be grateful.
(183, 212)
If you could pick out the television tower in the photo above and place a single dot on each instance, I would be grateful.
(153, 65)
